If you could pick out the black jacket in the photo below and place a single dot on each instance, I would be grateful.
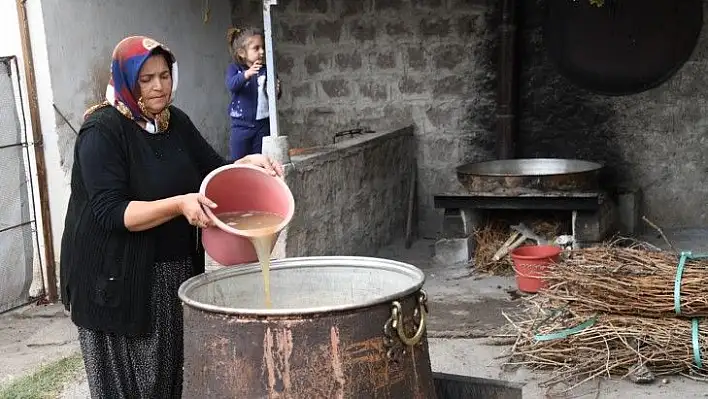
(106, 270)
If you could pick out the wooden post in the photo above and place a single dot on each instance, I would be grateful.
(35, 122)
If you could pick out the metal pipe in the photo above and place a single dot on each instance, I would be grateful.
(270, 66)
(507, 87)
(38, 145)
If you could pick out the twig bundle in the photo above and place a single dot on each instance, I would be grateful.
(629, 281)
(614, 345)
(488, 239)
(492, 235)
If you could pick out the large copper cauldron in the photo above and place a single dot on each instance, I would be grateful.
(340, 327)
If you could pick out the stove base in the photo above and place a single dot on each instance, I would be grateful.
(591, 215)
(453, 251)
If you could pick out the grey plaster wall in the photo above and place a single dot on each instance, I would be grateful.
(383, 63)
(351, 198)
(655, 140)
(81, 36)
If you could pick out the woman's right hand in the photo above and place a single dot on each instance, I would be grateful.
(191, 207)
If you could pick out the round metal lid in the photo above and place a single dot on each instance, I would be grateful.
(623, 47)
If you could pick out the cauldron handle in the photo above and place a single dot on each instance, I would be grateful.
(397, 320)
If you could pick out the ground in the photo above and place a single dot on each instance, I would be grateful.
(464, 309)
(34, 336)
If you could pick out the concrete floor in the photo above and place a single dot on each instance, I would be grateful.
(464, 309)
(32, 336)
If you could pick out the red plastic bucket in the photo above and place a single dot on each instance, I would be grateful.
(241, 188)
(530, 264)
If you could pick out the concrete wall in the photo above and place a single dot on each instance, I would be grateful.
(655, 140)
(351, 198)
(380, 64)
(81, 36)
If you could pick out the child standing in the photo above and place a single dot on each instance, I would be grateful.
(246, 82)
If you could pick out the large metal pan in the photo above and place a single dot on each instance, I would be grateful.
(531, 174)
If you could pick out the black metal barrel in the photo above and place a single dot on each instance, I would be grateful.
(340, 327)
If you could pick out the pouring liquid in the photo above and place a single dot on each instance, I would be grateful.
(263, 226)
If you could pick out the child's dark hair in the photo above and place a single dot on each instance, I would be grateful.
(238, 38)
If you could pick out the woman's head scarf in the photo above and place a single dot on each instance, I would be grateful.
(128, 57)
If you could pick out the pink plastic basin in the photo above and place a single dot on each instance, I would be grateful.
(241, 188)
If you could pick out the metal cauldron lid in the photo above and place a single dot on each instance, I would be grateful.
(412, 277)
(528, 167)
(624, 46)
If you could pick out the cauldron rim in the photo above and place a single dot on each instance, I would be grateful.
(300, 262)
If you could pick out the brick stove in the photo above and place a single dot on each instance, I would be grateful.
(490, 189)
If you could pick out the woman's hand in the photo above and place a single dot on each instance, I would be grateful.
(191, 207)
(260, 160)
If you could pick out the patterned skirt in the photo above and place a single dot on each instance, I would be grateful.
(148, 366)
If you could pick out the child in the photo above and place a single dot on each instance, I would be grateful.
(246, 82)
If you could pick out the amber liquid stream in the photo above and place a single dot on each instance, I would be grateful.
(263, 227)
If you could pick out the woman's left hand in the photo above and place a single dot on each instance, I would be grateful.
(260, 160)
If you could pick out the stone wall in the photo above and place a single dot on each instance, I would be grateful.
(351, 197)
(432, 62)
(383, 63)
(654, 140)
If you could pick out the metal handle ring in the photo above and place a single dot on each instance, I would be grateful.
(397, 324)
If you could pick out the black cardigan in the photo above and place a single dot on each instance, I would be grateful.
(106, 270)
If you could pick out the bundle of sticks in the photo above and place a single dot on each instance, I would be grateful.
(604, 345)
(488, 239)
(631, 282)
(612, 311)
(495, 239)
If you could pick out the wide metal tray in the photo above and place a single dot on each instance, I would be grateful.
(530, 174)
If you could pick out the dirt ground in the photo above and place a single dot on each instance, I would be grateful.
(34, 336)
(464, 309)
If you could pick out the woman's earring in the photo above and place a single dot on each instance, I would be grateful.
(141, 105)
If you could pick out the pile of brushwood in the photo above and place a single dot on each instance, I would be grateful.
(612, 310)
(492, 236)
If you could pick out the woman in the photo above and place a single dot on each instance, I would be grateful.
(131, 235)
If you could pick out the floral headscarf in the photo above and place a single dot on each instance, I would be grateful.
(128, 57)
